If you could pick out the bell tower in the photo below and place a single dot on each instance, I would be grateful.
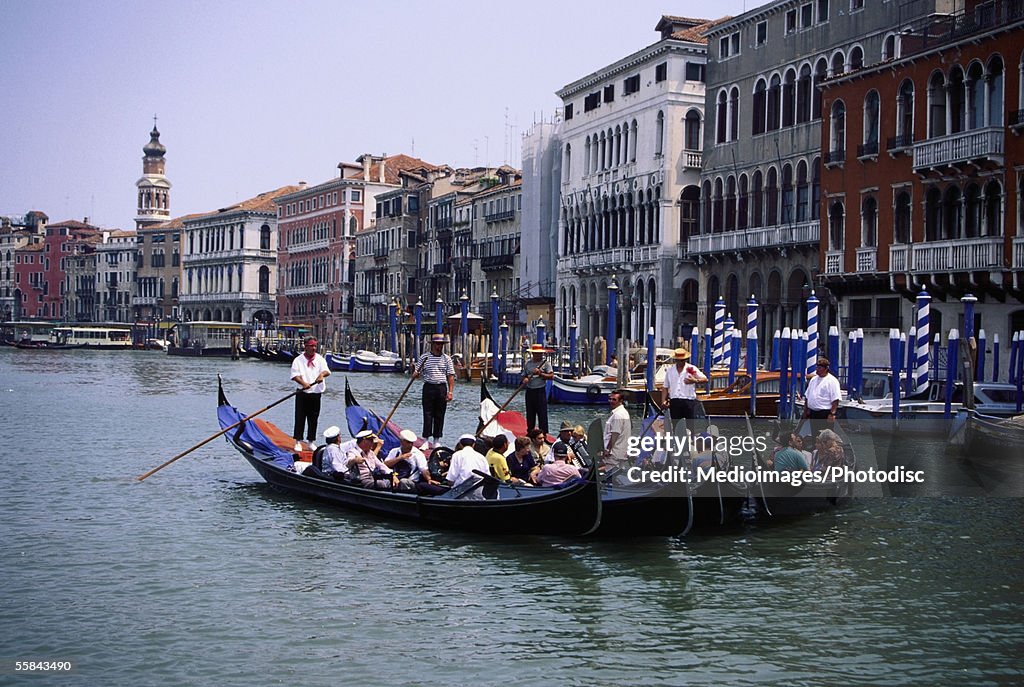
(154, 190)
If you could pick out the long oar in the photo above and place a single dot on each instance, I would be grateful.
(384, 426)
(502, 408)
(223, 431)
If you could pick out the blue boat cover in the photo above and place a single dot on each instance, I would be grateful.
(251, 434)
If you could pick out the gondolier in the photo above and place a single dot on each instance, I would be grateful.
(438, 373)
(822, 395)
(308, 371)
(680, 390)
(536, 374)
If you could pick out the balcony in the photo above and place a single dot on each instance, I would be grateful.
(867, 259)
(308, 290)
(1018, 254)
(308, 246)
(960, 148)
(605, 262)
(760, 238)
(834, 262)
(442, 268)
(230, 297)
(497, 262)
(899, 144)
(500, 216)
(961, 255)
(691, 160)
(1016, 120)
(898, 258)
(867, 150)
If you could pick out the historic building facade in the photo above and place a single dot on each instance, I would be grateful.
(630, 143)
(116, 262)
(761, 203)
(15, 232)
(230, 262)
(924, 177)
(495, 221)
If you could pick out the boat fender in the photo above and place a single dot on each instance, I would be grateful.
(376, 366)
(593, 391)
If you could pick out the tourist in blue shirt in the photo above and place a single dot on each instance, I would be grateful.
(789, 457)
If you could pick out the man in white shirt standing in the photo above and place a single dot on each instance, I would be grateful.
(680, 391)
(617, 431)
(308, 371)
(821, 400)
(464, 461)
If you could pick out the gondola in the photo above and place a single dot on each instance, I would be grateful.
(994, 442)
(572, 510)
(45, 346)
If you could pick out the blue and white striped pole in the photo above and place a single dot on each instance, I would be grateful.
(751, 331)
(784, 343)
(727, 329)
(752, 368)
(979, 371)
(995, 357)
(951, 364)
(774, 364)
(719, 331)
(812, 333)
(923, 322)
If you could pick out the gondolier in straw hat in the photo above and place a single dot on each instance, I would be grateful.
(679, 390)
(438, 373)
(536, 374)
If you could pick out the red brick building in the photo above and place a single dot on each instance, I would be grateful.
(41, 266)
(924, 177)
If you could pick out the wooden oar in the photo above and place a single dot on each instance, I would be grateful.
(223, 431)
(502, 408)
(384, 426)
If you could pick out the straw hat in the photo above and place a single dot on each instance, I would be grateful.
(681, 354)
(538, 348)
(438, 338)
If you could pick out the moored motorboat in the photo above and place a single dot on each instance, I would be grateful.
(571, 510)
(368, 361)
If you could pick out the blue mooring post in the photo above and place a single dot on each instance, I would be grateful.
(833, 348)
(651, 364)
(796, 366)
(695, 345)
(995, 357)
(894, 364)
(851, 343)
(1013, 358)
(812, 334)
(613, 308)
(464, 305)
(1020, 381)
(734, 351)
(752, 368)
(969, 300)
(716, 359)
(774, 364)
(541, 329)
(951, 364)
(979, 372)
(504, 345)
(707, 356)
(751, 327)
(393, 326)
(908, 348)
(784, 343)
(439, 314)
(572, 348)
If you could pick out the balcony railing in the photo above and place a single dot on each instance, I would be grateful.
(958, 148)
(442, 268)
(305, 290)
(307, 246)
(867, 149)
(229, 297)
(835, 157)
(691, 160)
(900, 142)
(867, 259)
(754, 239)
(959, 255)
(834, 262)
(500, 216)
(497, 262)
(1016, 118)
(1018, 253)
(898, 258)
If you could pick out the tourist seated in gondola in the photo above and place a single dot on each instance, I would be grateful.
(704, 454)
(790, 455)
(521, 463)
(369, 470)
(410, 465)
(558, 470)
(828, 452)
(578, 447)
(329, 459)
(539, 447)
(499, 464)
(565, 437)
(466, 462)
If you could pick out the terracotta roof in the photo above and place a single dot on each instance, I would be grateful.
(122, 233)
(31, 248)
(73, 224)
(392, 166)
(176, 223)
(698, 34)
(264, 202)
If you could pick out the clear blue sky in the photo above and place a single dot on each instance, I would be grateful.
(255, 95)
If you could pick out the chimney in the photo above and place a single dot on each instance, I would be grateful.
(302, 185)
(381, 168)
(85, 220)
(367, 161)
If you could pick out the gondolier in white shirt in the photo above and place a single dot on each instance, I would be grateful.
(680, 388)
(438, 373)
(821, 400)
(308, 371)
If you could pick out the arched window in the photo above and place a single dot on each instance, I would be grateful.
(586, 157)
(802, 192)
(632, 141)
(995, 91)
(757, 209)
(689, 204)
(706, 215)
(734, 114)
(786, 194)
(905, 115)
(265, 237)
(889, 48)
(837, 136)
(871, 114)
(721, 118)
(937, 105)
(692, 131)
(803, 95)
(772, 198)
(730, 203)
(972, 211)
(951, 214)
(717, 207)
(264, 279)
(835, 226)
(955, 96)
(869, 222)
(744, 205)
(976, 97)
(816, 188)
(774, 103)
(759, 113)
(820, 74)
(568, 161)
(993, 209)
(838, 64)
(901, 224)
(789, 98)
(856, 58)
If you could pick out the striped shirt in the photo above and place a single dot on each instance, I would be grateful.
(435, 369)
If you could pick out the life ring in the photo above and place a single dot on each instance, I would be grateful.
(593, 391)
(399, 366)
(376, 366)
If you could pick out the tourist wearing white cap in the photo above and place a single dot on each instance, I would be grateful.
(332, 461)
(411, 466)
(464, 461)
